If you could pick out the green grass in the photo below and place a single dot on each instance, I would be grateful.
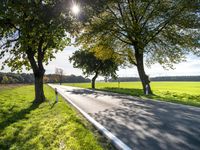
(187, 93)
(46, 126)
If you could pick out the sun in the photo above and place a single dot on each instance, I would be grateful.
(75, 9)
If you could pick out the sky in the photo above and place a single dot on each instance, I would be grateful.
(190, 67)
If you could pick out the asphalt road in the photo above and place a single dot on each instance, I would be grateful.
(141, 124)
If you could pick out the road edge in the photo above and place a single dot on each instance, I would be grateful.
(114, 140)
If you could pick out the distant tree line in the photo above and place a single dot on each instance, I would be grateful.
(176, 78)
(124, 79)
(162, 78)
(12, 78)
(53, 78)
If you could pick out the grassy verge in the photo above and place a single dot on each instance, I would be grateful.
(46, 126)
(187, 93)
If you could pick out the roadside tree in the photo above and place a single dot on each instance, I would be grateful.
(32, 31)
(154, 31)
(59, 73)
(91, 65)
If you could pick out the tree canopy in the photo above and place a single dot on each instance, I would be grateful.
(146, 31)
(91, 65)
(37, 28)
(32, 32)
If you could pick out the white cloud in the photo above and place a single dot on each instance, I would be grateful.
(62, 61)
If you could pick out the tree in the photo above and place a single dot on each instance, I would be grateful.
(152, 30)
(59, 73)
(45, 79)
(90, 64)
(32, 32)
(5, 80)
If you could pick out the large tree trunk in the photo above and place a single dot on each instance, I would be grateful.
(143, 77)
(38, 71)
(39, 92)
(93, 80)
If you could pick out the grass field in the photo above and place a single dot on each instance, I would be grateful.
(46, 126)
(187, 93)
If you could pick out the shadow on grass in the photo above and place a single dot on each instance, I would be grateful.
(133, 92)
(182, 98)
(52, 105)
(18, 116)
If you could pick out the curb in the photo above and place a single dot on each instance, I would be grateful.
(114, 140)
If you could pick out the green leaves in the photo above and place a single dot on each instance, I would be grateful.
(38, 28)
(90, 64)
(167, 29)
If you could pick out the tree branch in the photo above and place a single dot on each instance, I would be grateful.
(9, 41)
(150, 15)
(161, 26)
(40, 53)
(31, 59)
(145, 10)
(132, 12)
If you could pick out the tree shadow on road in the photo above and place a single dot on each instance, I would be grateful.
(146, 125)
(182, 98)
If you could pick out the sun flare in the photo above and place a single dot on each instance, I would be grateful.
(75, 9)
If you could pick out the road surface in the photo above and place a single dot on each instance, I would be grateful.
(141, 124)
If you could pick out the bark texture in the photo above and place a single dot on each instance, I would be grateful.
(38, 70)
(39, 92)
(94, 79)
(140, 67)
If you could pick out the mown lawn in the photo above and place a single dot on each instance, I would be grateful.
(46, 126)
(187, 93)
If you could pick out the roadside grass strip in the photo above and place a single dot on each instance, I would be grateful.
(50, 125)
